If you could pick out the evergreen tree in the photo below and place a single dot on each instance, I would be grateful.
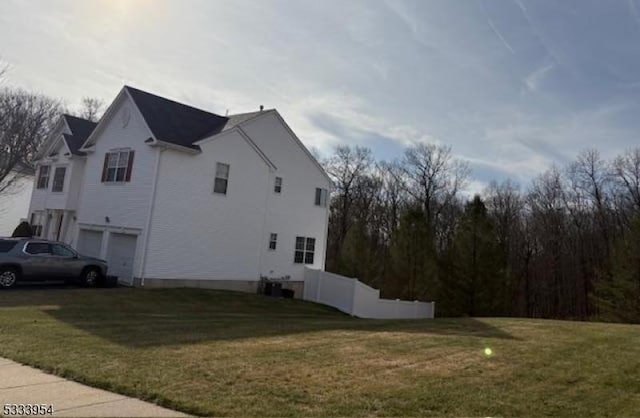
(23, 230)
(357, 258)
(476, 281)
(618, 295)
(413, 258)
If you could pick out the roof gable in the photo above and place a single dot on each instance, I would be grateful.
(174, 122)
(80, 131)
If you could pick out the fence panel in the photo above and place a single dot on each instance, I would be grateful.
(356, 298)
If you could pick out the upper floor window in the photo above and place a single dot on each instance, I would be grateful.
(305, 249)
(117, 166)
(58, 179)
(43, 177)
(321, 197)
(222, 178)
(277, 188)
(273, 241)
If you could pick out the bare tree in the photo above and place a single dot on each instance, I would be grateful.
(626, 172)
(91, 109)
(347, 167)
(25, 121)
(434, 177)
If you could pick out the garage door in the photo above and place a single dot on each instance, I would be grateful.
(90, 243)
(122, 251)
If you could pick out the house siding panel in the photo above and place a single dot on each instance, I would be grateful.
(198, 234)
(292, 212)
(126, 204)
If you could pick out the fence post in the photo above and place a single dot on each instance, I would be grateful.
(318, 286)
(354, 298)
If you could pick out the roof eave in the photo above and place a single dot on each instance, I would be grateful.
(171, 145)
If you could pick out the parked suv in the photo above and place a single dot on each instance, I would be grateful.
(27, 259)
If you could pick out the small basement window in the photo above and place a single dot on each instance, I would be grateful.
(277, 188)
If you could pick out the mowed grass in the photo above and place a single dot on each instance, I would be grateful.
(225, 353)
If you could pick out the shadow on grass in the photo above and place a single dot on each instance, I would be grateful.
(164, 317)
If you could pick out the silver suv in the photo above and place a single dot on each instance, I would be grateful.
(27, 259)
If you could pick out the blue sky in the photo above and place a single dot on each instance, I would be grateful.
(511, 85)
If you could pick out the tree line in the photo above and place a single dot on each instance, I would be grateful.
(566, 246)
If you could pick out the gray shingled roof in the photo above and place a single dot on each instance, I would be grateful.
(80, 131)
(175, 122)
(181, 124)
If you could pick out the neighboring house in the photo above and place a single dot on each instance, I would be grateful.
(60, 163)
(171, 195)
(14, 202)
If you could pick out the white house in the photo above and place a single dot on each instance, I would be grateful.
(60, 169)
(171, 195)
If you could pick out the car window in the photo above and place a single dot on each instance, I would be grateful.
(61, 250)
(38, 248)
(6, 246)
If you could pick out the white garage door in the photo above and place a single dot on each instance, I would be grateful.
(90, 242)
(122, 251)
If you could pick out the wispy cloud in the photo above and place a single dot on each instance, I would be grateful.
(499, 35)
(533, 80)
(512, 86)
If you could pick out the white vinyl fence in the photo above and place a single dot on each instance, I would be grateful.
(356, 298)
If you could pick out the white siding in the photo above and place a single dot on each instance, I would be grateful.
(292, 212)
(42, 199)
(198, 234)
(125, 204)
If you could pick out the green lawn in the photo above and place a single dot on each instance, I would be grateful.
(225, 353)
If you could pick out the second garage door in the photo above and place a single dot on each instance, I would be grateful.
(121, 254)
(90, 242)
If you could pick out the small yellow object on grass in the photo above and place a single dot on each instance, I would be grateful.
(488, 352)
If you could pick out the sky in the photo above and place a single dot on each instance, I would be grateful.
(512, 86)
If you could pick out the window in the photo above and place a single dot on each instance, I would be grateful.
(273, 240)
(61, 250)
(117, 166)
(38, 248)
(305, 248)
(58, 179)
(321, 197)
(6, 246)
(43, 177)
(222, 178)
(278, 185)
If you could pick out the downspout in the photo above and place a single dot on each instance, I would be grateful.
(150, 215)
(264, 224)
(326, 230)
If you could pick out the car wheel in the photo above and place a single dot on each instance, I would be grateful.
(8, 277)
(90, 277)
